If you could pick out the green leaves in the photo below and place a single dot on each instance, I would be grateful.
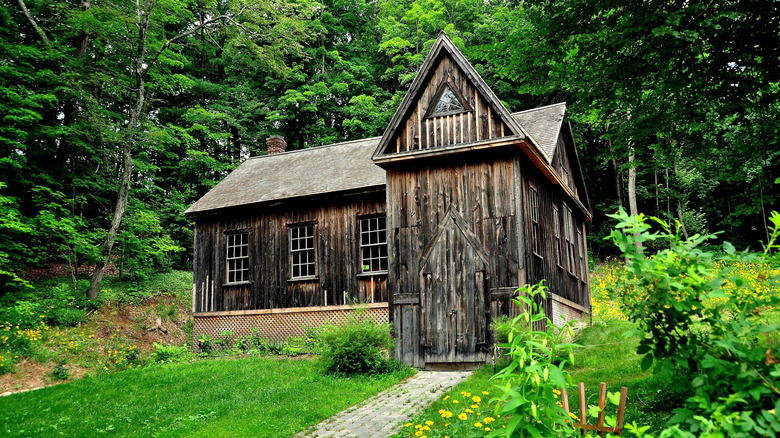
(689, 322)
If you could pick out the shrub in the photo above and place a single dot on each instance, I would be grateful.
(171, 353)
(690, 324)
(66, 316)
(359, 346)
(501, 328)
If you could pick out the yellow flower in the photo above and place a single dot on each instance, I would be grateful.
(474, 406)
(469, 411)
(476, 399)
(487, 429)
(425, 428)
(463, 416)
(485, 393)
(446, 398)
(429, 422)
(478, 425)
(418, 426)
(418, 433)
(455, 401)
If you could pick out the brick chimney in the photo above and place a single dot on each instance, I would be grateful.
(275, 144)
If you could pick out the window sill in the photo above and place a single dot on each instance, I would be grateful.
(371, 274)
(560, 266)
(537, 255)
(238, 283)
(572, 274)
(302, 279)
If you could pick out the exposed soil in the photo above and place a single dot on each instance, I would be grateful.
(139, 323)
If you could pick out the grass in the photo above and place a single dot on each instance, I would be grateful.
(259, 397)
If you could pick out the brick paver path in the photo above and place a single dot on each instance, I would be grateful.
(385, 413)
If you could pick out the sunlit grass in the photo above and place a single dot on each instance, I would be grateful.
(258, 397)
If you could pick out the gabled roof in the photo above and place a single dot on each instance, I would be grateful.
(444, 46)
(316, 171)
(543, 125)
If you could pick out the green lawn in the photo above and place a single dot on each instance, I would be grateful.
(258, 397)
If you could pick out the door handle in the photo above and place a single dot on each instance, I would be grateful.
(453, 312)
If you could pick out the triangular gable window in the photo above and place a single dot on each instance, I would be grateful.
(448, 101)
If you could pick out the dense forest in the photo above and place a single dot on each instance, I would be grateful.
(115, 115)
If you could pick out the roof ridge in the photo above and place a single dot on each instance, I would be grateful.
(539, 108)
(313, 147)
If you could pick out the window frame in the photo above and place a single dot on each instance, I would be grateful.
(311, 252)
(362, 246)
(533, 204)
(581, 251)
(568, 223)
(430, 112)
(245, 270)
(557, 233)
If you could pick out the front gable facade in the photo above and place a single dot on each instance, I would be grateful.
(433, 226)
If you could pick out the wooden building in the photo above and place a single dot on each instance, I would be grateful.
(433, 226)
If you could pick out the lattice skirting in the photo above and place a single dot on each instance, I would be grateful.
(280, 324)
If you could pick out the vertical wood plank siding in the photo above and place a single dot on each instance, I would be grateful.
(338, 257)
(477, 124)
(543, 266)
(482, 193)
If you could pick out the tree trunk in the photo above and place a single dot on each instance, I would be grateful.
(680, 218)
(139, 69)
(618, 183)
(633, 209)
(119, 211)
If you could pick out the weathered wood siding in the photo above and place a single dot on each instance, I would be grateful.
(560, 279)
(338, 266)
(475, 201)
(477, 124)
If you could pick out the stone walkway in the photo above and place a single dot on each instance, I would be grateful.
(385, 413)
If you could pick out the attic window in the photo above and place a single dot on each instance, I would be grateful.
(448, 101)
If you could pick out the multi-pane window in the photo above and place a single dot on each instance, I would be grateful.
(568, 234)
(237, 257)
(581, 252)
(302, 253)
(373, 244)
(564, 163)
(535, 221)
(557, 231)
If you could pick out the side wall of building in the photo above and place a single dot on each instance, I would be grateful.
(561, 261)
(338, 279)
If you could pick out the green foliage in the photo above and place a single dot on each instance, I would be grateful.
(60, 372)
(501, 327)
(724, 347)
(358, 346)
(171, 353)
(536, 373)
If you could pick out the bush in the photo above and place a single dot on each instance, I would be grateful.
(359, 346)
(690, 324)
(171, 353)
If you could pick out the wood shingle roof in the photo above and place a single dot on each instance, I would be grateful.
(323, 170)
